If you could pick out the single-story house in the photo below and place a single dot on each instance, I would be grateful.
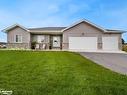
(82, 35)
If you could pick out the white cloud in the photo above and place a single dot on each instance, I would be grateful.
(53, 8)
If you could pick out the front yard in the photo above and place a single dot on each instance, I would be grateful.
(57, 73)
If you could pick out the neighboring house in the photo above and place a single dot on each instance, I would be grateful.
(3, 44)
(82, 35)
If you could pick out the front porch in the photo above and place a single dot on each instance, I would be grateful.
(46, 42)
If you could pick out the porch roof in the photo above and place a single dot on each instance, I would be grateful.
(47, 29)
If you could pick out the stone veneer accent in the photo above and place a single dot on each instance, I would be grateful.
(18, 45)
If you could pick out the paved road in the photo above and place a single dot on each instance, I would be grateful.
(114, 61)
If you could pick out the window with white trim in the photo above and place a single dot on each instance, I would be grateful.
(18, 38)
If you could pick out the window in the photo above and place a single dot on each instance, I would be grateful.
(18, 38)
(41, 38)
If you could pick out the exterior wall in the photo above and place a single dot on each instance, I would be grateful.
(86, 30)
(18, 45)
(18, 31)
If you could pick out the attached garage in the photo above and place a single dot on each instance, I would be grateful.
(110, 43)
(86, 36)
(83, 43)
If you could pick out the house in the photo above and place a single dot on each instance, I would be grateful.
(81, 36)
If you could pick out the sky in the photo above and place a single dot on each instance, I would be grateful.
(110, 14)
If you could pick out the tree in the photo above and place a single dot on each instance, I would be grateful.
(123, 41)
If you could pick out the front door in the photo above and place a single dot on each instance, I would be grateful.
(56, 42)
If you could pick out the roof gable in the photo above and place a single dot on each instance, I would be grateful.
(13, 27)
(85, 21)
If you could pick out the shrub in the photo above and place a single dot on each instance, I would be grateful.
(33, 44)
(125, 47)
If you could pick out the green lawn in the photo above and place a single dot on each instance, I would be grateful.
(57, 73)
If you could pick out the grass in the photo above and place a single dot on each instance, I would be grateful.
(57, 73)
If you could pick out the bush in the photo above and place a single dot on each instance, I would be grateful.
(33, 44)
(125, 47)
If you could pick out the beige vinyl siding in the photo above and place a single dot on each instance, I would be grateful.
(11, 35)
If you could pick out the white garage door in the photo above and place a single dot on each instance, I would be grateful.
(110, 43)
(83, 43)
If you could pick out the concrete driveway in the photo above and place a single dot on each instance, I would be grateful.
(114, 61)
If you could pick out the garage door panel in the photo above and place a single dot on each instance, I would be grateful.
(83, 43)
(110, 43)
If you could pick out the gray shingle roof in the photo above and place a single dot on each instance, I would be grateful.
(47, 28)
(115, 31)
